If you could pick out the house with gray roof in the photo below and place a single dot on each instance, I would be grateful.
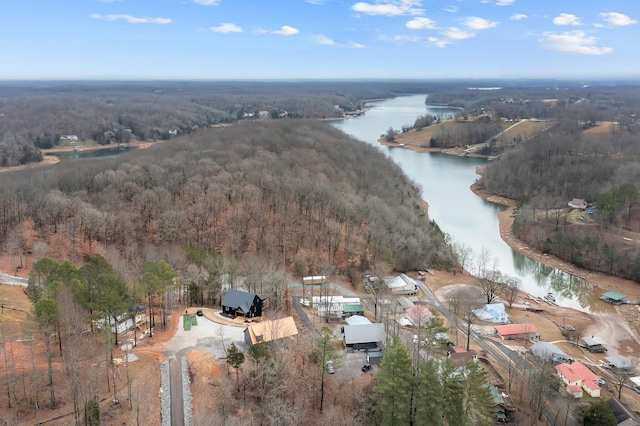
(624, 415)
(548, 352)
(242, 303)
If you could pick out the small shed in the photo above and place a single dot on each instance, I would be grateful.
(614, 298)
(594, 344)
(374, 357)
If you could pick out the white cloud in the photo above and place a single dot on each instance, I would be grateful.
(574, 42)
(130, 19)
(618, 19)
(518, 16)
(207, 2)
(322, 39)
(286, 30)
(354, 45)
(567, 19)
(454, 33)
(504, 2)
(421, 23)
(225, 28)
(451, 9)
(315, 1)
(439, 42)
(475, 23)
(389, 7)
(402, 38)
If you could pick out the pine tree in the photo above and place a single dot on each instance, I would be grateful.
(392, 394)
(235, 358)
(479, 398)
(428, 395)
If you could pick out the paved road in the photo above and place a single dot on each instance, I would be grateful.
(10, 279)
(500, 353)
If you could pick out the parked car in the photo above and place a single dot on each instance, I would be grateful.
(330, 368)
(199, 312)
(366, 367)
(601, 382)
(305, 303)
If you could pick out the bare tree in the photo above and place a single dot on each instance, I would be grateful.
(512, 287)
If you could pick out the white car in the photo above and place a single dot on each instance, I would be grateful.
(305, 303)
(330, 368)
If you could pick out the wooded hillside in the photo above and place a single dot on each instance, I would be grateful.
(567, 162)
(299, 193)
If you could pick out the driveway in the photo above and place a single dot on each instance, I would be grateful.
(213, 337)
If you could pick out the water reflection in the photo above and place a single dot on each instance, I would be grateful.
(566, 288)
(467, 218)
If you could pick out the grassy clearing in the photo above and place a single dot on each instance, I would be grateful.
(523, 130)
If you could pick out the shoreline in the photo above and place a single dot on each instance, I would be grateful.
(598, 280)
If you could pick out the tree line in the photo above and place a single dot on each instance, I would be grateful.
(37, 115)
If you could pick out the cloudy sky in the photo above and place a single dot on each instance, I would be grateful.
(318, 39)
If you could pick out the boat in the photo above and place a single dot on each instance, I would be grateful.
(550, 297)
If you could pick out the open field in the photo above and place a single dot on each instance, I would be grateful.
(522, 130)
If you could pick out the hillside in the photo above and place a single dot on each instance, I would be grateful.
(295, 192)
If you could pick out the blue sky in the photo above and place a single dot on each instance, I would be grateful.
(319, 39)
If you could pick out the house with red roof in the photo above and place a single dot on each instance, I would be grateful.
(459, 355)
(576, 375)
(524, 331)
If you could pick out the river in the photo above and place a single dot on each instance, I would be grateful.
(468, 219)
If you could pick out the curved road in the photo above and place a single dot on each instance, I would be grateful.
(10, 279)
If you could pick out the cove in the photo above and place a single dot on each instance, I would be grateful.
(445, 181)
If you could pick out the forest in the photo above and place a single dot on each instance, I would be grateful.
(296, 192)
(567, 162)
(36, 115)
(163, 225)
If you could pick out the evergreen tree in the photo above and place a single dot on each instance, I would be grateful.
(428, 395)
(597, 413)
(479, 398)
(235, 358)
(392, 394)
(452, 393)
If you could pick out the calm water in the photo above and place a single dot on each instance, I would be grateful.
(467, 218)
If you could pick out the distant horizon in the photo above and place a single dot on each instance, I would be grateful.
(213, 40)
(460, 80)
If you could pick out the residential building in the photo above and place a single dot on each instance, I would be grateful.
(578, 374)
(242, 303)
(269, 330)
